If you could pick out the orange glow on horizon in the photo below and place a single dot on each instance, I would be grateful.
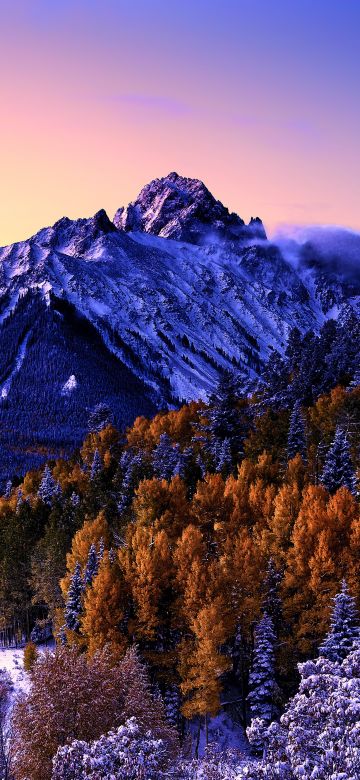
(98, 101)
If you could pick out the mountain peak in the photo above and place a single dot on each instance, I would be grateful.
(183, 209)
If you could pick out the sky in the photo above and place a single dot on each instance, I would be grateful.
(258, 98)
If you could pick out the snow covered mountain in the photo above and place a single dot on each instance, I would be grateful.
(145, 310)
(185, 210)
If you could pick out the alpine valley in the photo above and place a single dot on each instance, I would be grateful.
(145, 311)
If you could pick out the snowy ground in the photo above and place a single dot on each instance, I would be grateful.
(225, 733)
(12, 660)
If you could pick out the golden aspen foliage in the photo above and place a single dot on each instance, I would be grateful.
(353, 565)
(261, 501)
(211, 509)
(267, 467)
(106, 441)
(70, 474)
(179, 425)
(90, 533)
(276, 538)
(201, 662)
(162, 504)
(237, 489)
(243, 565)
(268, 434)
(30, 655)
(147, 565)
(105, 604)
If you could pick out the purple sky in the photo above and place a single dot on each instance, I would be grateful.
(259, 98)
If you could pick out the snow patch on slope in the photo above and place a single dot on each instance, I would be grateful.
(70, 385)
(5, 389)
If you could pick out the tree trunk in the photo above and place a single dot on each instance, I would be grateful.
(198, 739)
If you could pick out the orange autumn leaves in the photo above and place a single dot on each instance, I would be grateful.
(188, 572)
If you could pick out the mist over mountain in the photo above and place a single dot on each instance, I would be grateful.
(146, 310)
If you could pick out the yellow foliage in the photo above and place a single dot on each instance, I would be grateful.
(106, 441)
(104, 608)
(91, 533)
(201, 662)
(146, 562)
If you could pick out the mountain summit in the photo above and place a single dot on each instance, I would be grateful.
(183, 209)
(146, 311)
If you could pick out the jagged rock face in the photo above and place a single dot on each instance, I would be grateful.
(140, 321)
(184, 209)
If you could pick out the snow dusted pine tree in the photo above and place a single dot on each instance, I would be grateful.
(47, 487)
(272, 604)
(8, 489)
(96, 466)
(19, 500)
(262, 684)
(58, 491)
(344, 627)
(224, 417)
(338, 470)
(165, 457)
(101, 548)
(318, 735)
(99, 418)
(296, 442)
(172, 702)
(184, 463)
(74, 499)
(355, 382)
(124, 754)
(134, 466)
(73, 607)
(92, 566)
(221, 452)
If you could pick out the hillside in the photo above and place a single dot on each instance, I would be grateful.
(158, 302)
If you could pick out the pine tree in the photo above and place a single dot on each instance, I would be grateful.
(276, 376)
(344, 627)
(47, 487)
(73, 607)
(165, 458)
(224, 421)
(96, 466)
(296, 436)
(92, 566)
(293, 350)
(8, 489)
(338, 469)
(184, 463)
(62, 635)
(172, 701)
(355, 382)
(262, 684)
(75, 499)
(133, 467)
(221, 452)
(19, 500)
(272, 604)
(99, 418)
(58, 491)
(201, 465)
